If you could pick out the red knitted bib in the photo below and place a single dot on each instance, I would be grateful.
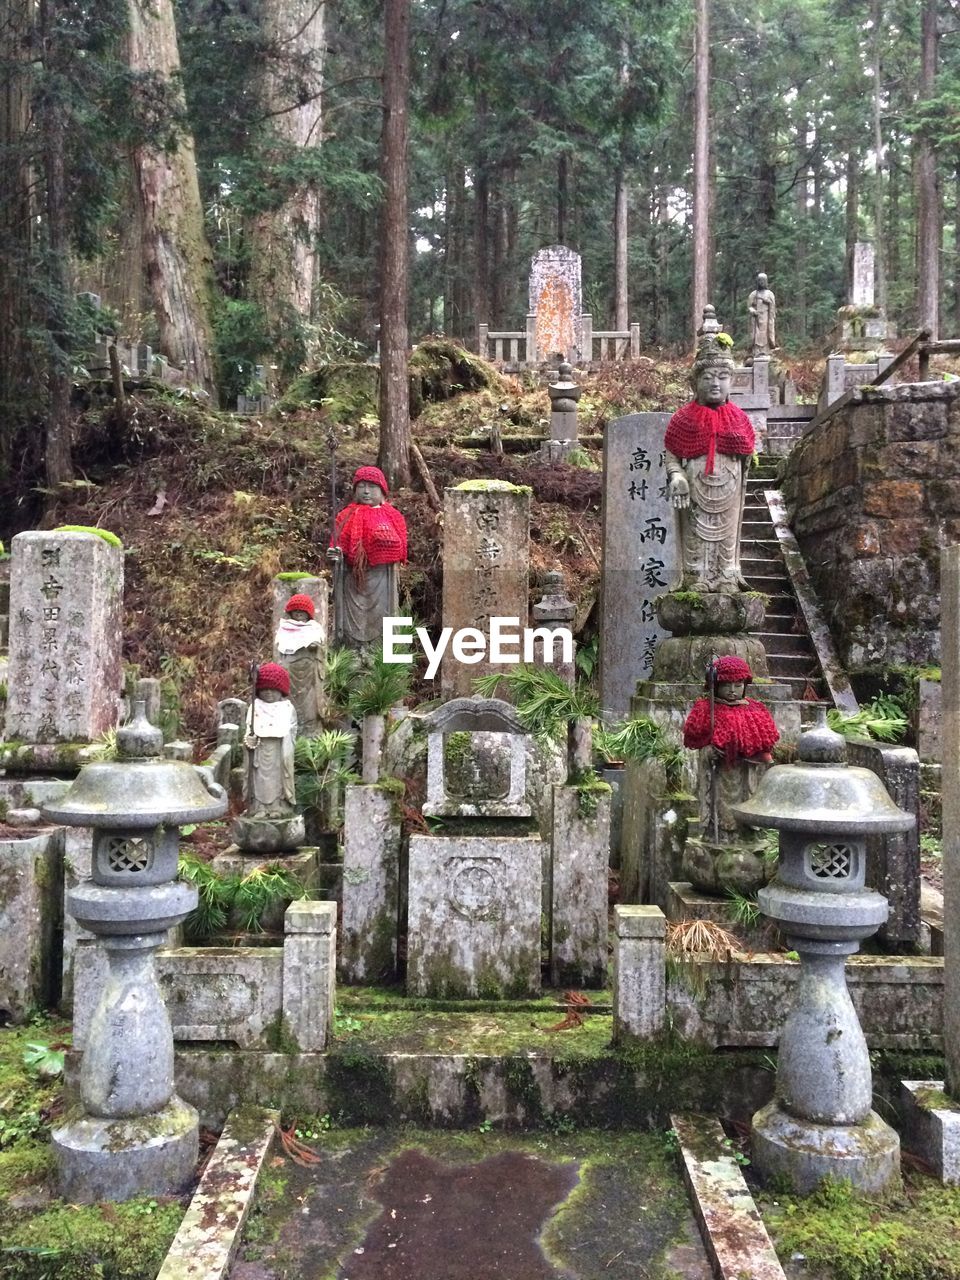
(696, 429)
(741, 731)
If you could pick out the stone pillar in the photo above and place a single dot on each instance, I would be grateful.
(551, 611)
(309, 972)
(863, 270)
(640, 555)
(486, 559)
(31, 919)
(564, 395)
(578, 916)
(950, 663)
(639, 976)
(371, 885)
(65, 678)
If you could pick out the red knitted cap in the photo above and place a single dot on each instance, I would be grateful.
(730, 668)
(270, 675)
(374, 475)
(300, 602)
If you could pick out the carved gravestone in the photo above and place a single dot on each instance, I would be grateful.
(863, 269)
(475, 901)
(66, 594)
(640, 554)
(556, 302)
(486, 558)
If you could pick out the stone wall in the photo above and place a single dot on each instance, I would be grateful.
(873, 492)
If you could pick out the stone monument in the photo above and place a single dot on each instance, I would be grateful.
(734, 735)
(564, 395)
(556, 303)
(64, 679)
(369, 544)
(299, 644)
(271, 823)
(486, 566)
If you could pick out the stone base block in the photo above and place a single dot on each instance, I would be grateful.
(371, 885)
(474, 916)
(304, 864)
(684, 658)
(931, 1127)
(269, 835)
(711, 614)
(802, 1154)
(578, 917)
(686, 903)
(152, 1155)
(717, 868)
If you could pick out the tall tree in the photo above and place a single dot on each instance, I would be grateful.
(701, 165)
(395, 436)
(176, 253)
(283, 235)
(928, 193)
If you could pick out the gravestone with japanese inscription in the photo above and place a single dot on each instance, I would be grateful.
(556, 302)
(640, 558)
(486, 565)
(66, 595)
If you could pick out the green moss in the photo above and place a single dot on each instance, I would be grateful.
(279, 1038)
(90, 1242)
(105, 534)
(687, 597)
(359, 1088)
(23, 1166)
(909, 1235)
(293, 577)
(493, 486)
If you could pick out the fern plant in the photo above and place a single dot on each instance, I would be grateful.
(544, 701)
(341, 668)
(249, 898)
(322, 765)
(882, 719)
(380, 687)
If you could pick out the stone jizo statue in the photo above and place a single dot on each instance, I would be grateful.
(300, 641)
(369, 543)
(271, 731)
(734, 735)
(762, 307)
(709, 443)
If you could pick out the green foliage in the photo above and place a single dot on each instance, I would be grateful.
(43, 1060)
(637, 739)
(381, 686)
(341, 669)
(544, 701)
(322, 766)
(882, 719)
(245, 898)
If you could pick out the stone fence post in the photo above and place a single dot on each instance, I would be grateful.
(639, 977)
(310, 972)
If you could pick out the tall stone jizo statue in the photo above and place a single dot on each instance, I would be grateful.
(709, 445)
(762, 308)
(369, 542)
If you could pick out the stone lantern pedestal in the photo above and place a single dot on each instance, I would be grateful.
(131, 1135)
(820, 1123)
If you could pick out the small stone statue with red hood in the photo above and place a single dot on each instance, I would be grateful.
(369, 543)
(734, 735)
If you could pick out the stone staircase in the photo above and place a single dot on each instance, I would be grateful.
(790, 653)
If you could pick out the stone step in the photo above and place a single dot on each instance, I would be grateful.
(783, 642)
(795, 664)
(782, 623)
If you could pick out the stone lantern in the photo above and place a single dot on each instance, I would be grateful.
(564, 394)
(131, 1134)
(820, 1122)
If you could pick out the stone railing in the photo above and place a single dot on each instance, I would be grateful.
(516, 348)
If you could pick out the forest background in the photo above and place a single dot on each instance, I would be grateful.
(225, 174)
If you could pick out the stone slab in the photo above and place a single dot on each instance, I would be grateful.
(686, 903)
(733, 1232)
(578, 915)
(474, 910)
(486, 566)
(31, 906)
(309, 972)
(77, 864)
(861, 293)
(639, 972)
(640, 554)
(950, 665)
(556, 302)
(744, 1001)
(66, 597)
(371, 885)
(893, 860)
(931, 1127)
(208, 1236)
(929, 720)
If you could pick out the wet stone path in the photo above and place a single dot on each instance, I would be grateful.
(399, 1205)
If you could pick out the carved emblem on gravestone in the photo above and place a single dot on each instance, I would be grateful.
(474, 892)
